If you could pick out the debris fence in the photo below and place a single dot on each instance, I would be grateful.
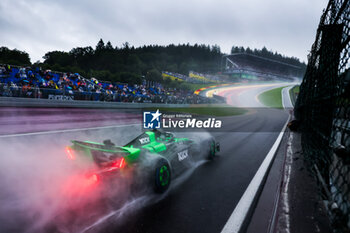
(323, 110)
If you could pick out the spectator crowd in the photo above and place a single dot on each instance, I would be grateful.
(37, 83)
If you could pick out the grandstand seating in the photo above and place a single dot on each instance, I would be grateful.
(174, 76)
(35, 83)
(199, 77)
(255, 66)
(193, 77)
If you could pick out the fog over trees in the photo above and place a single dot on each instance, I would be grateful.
(130, 64)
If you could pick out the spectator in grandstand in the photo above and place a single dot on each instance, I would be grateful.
(22, 73)
(8, 69)
(2, 70)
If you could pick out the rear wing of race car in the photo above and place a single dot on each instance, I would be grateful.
(100, 151)
(105, 146)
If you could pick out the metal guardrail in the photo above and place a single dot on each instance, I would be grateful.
(70, 95)
(46, 103)
(293, 95)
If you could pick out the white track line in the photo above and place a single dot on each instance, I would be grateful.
(65, 130)
(282, 95)
(239, 214)
(286, 103)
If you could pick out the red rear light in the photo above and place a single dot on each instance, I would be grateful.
(93, 179)
(120, 163)
(70, 153)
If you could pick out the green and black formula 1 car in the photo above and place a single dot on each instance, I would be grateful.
(160, 155)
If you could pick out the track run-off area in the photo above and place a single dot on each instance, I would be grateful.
(212, 198)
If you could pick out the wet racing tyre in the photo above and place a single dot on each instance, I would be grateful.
(162, 175)
(212, 150)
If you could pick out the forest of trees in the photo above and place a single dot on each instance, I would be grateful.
(127, 64)
(130, 64)
(264, 52)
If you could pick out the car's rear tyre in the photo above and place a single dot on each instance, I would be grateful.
(212, 150)
(162, 176)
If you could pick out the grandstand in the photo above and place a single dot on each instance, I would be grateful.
(174, 76)
(199, 77)
(36, 83)
(249, 66)
(193, 77)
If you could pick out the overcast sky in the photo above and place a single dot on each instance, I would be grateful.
(38, 26)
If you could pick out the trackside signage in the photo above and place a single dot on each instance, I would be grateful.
(156, 120)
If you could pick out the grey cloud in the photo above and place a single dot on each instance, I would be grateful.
(41, 26)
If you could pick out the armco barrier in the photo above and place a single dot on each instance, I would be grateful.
(197, 92)
(219, 98)
(47, 103)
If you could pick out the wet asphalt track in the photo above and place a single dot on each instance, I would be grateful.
(204, 202)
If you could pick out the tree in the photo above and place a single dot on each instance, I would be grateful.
(14, 57)
(130, 78)
(109, 46)
(264, 52)
(248, 50)
(234, 49)
(154, 75)
(216, 49)
(100, 45)
(81, 51)
(58, 57)
(126, 45)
